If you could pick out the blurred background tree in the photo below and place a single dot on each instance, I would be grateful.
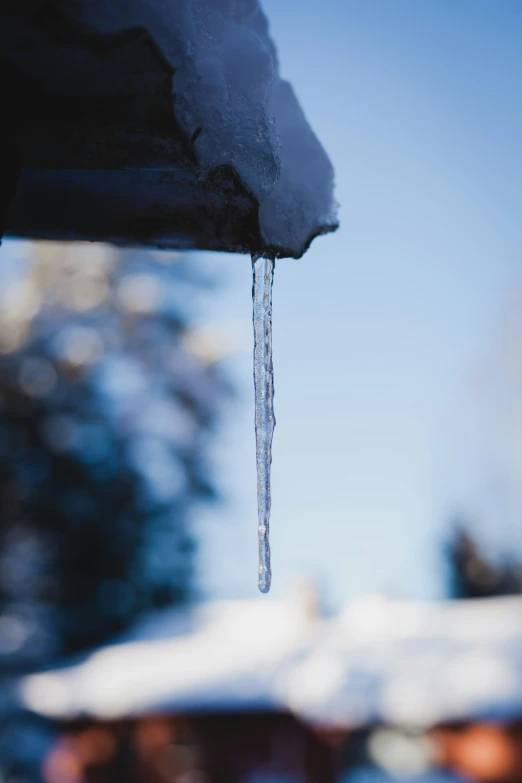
(106, 399)
(471, 574)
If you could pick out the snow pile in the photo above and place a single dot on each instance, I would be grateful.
(222, 656)
(205, 70)
(413, 664)
(229, 99)
(381, 662)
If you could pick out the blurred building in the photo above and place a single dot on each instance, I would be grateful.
(189, 695)
(271, 691)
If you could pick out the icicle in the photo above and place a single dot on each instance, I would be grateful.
(263, 270)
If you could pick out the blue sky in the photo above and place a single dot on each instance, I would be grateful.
(394, 400)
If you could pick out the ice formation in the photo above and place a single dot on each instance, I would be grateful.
(263, 270)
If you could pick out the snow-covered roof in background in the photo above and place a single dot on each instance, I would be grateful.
(221, 656)
(403, 663)
(413, 664)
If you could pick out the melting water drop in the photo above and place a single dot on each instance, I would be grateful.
(263, 270)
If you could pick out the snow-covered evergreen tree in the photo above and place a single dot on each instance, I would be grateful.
(105, 404)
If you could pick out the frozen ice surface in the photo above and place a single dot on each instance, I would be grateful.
(263, 269)
(203, 71)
